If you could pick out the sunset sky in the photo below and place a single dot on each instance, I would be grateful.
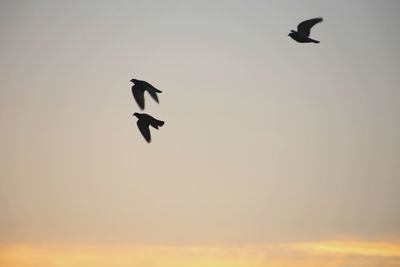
(273, 154)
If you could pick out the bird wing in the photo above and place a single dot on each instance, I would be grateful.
(156, 123)
(152, 91)
(304, 27)
(160, 123)
(139, 96)
(144, 129)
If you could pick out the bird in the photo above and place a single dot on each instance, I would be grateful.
(303, 31)
(143, 123)
(138, 89)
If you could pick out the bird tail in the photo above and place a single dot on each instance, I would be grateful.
(314, 41)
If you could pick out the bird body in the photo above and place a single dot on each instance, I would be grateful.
(302, 38)
(138, 90)
(303, 31)
(144, 122)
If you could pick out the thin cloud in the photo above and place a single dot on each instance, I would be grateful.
(376, 249)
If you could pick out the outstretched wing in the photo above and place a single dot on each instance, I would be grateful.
(304, 27)
(156, 123)
(152, 91)
(160, 123)
(138, 95)
(144, 129)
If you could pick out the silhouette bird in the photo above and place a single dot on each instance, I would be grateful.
(143, 123)
(138, 89)
(303, 31)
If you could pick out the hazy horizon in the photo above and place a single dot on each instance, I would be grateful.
(266, 141)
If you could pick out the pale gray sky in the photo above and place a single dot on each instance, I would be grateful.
(266, 140)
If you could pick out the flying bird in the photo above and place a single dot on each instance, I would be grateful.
(144, 122)
(303, 31)
(138, 89)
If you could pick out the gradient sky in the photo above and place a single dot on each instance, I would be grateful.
(266, 140)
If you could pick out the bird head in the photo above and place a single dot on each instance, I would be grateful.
(292, 32)
(133, 80)
(136, 114)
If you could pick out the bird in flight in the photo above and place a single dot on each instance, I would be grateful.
(303, 31)
(144, 122)
(138, 89)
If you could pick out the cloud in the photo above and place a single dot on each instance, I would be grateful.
(373, 249)
(311, 254)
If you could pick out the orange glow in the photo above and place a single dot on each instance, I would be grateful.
(352, 248)
(313, 254)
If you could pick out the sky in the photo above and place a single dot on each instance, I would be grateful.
(269, 149)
